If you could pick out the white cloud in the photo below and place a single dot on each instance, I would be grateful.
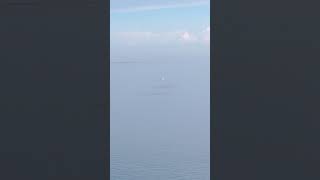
(188, 37)
(142, 37)
(206, 35)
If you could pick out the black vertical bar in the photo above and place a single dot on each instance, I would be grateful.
(266, 90)
(54, 92)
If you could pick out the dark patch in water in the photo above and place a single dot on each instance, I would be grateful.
(167, 86)
(154, 94)
(160, 94)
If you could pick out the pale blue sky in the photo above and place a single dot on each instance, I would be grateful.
(134, 4)
(179, 24)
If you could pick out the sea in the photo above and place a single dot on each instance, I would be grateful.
(160, 118)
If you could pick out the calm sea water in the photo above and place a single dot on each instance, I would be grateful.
(160, 119)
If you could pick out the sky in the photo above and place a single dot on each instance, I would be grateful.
(160, 25)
